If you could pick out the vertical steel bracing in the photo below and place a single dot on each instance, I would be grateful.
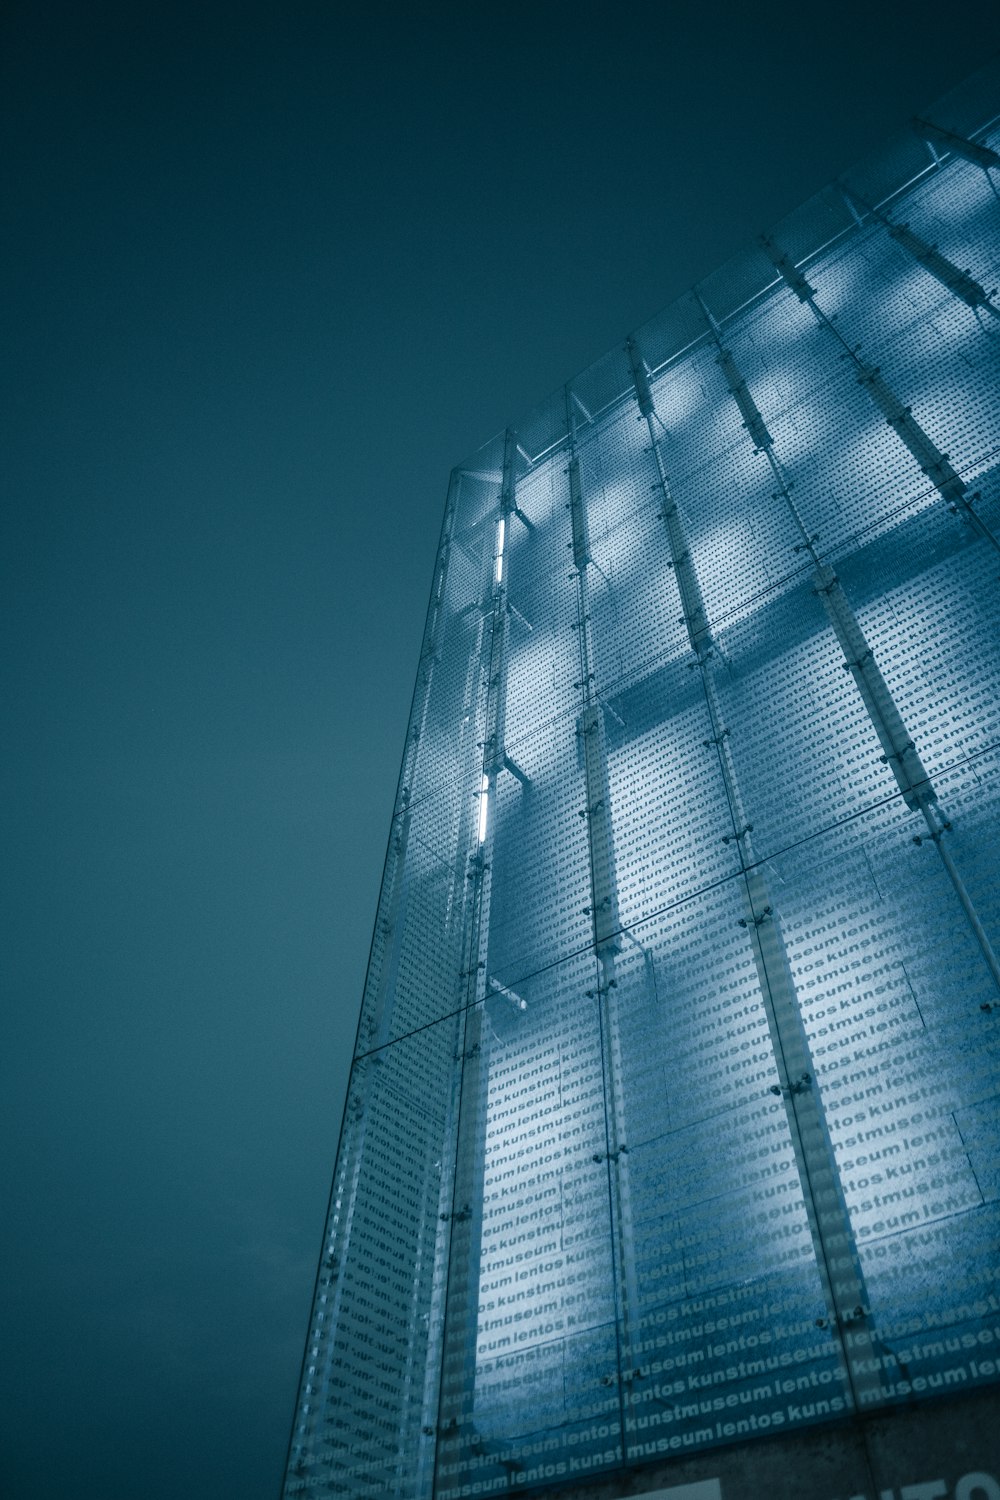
(935, 464)
(899, 751)
(605, 924)
(826, 1211)
(463, 1214)
(462, 914)
(960, 283)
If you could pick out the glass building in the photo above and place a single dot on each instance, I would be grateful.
(670, 1161)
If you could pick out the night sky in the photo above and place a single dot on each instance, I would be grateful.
(271, 272)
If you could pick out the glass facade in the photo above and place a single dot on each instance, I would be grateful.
(673, 1122)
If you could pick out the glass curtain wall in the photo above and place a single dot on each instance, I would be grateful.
(674, 1115)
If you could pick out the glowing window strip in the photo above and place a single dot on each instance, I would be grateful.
(484, 807)
(501, 528)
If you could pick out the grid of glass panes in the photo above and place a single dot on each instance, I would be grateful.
(570, 1225)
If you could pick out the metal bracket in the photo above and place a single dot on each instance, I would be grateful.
(600, 1156)
(735, 838)
(756, 921)
(932, 838)
(602, 989)
(460, 1216)
(798, 1086)
(904, 750)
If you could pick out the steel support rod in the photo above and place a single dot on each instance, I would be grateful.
(834, 1247)
(935, 464)
(605, 923)
(461, 917)
(960, 283)
(464, 1215)
(899, 751)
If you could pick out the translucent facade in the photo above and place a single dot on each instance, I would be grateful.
(673, 1123)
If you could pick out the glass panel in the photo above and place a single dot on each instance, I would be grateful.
(530, 1347)
(732, 1332)
(364, 1399)
(900, 1006)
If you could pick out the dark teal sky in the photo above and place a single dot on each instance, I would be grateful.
(271, 272)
